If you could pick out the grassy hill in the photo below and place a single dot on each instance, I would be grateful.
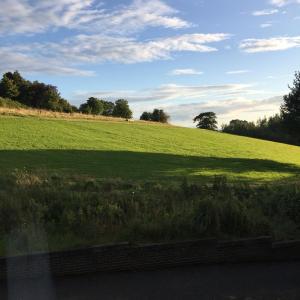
(137, 150)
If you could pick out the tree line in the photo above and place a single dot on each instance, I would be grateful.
(283, 127)
(39, 95)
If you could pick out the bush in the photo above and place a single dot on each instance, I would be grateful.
(89, 211)
(8, 103)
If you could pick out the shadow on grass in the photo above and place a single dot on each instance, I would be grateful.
(140, 165)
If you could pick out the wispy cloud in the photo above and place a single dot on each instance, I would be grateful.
(24, 62)
(236, 72)
(33, 16)
(226, 110)
(180, 72)
(271, 44)
(67, 57)
(170, 92)
(280, 3)
(265, 12)
(266, 25)
(98, 34)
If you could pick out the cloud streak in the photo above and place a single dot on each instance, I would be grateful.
(269, 45)
(265, 12)
(68, 56)
(170, 92)
(35, 16)
(281, 3)
(182, 72)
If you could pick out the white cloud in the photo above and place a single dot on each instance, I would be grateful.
(226, 110)
(30, 64)
(280, 3)
(93, 49)
(265, 25)
(265, 12)
(236, 72)
(33, 16)
(171, 92)
(271, 44)
(99, 34)
(179, 72)
(138, 15)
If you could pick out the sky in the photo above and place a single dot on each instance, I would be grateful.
(233, 57)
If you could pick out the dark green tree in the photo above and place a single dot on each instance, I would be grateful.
(108, 108)
(122, 109)
(146, 116)
(159, 115)
(92, 106)
(290, 109)
(8, 89)
(206, 120)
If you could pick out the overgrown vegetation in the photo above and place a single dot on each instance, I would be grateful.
(8, 103)
(69, 212)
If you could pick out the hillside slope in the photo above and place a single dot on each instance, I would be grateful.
(134, 150)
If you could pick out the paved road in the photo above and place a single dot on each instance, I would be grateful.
(244, 281)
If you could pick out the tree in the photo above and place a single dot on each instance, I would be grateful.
(146, 116)
(158, 115)
(122, 109)
(108, 108)
(290, 109)
(92, 106)
(206, 120)
(240, 127)
(8, 89)
(34, 94)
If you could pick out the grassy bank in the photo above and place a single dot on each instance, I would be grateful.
(39, 212)
(136, 150)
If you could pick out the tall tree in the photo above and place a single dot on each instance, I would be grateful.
(122, 109)
(108, 108)
(159, 115)
(206, 120)
(146, 116)
(290, 109)
(8, 89)
(92, 106)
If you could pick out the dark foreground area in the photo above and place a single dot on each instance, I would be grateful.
(241, 281)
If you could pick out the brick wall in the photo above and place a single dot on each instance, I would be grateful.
(124, 257)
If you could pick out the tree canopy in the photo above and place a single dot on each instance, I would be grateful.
(290, 109)
(206, 120)
(122, 109)
(34, 94)
(158, 115)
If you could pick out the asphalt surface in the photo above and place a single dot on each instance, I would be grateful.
(272, 281)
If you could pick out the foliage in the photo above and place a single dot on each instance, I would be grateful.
(91, 212)
(280, 128)
(33, 94)
(114, 148)
(206, 120)
(8, 103)
(290, 108)
(272, 128)
(146, 116)
(92, 106)
(122, 109)
(8, 88)
(108, 108)
(158, 115)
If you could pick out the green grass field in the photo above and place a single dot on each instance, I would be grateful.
(134, 150)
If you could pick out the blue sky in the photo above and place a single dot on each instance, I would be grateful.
(185, 56)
